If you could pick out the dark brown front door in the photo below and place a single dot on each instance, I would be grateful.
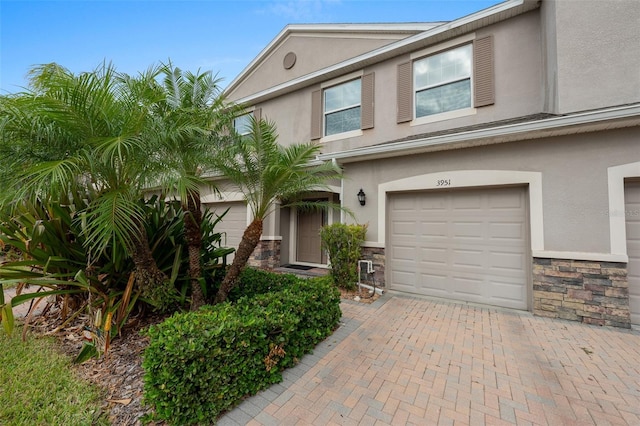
(308, 244)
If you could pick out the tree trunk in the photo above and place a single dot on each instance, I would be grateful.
(150, 280)
(193, 236)
(249, 242)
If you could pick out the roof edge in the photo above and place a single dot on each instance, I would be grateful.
(395, 48)
(537, 129)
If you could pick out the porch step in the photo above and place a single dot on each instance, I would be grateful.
(304, 273)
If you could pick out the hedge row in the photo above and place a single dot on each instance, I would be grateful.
(200, 364)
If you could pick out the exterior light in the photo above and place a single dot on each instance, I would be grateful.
(362, 197)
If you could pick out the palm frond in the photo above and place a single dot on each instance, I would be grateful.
(113, 219)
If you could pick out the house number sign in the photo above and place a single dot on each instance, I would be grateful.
(443, 182)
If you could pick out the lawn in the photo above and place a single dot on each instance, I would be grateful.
(38, 386)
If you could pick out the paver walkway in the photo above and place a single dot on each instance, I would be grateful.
(417, 361)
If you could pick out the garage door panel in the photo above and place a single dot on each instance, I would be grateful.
(467, 258)
(405, 280)
(471, 245)
(434, 257)
(468, 230)
(432, 229)
(435, 204)
(507, 294)
(469, 202)
(505, 201)
(507, 261)
(467, 286)
(232, 225)
(437, 284)
(505, 230)
(632, 219)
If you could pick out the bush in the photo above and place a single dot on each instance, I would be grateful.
(200, 364)
(343, 244)
(253, 282)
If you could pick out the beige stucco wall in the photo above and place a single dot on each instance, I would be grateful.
(592, 53)
(519, 74)
(313, 52)
(574, 181)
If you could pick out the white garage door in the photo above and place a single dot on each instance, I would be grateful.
(632, 214)
(466, 245)
(232, 224)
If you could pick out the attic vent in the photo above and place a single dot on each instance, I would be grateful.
(289, 60)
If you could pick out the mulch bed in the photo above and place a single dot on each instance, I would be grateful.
(119, 373)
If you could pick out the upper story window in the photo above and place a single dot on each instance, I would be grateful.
(446, 81)
(442, 82)
(242, 124)
(342, 107)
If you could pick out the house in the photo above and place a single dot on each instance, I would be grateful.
(499, 153)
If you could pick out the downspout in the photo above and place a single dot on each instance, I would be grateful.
(335, 163)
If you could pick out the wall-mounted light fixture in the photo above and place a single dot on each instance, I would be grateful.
(362, 197)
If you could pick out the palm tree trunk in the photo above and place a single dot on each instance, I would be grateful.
(148, 276)
(249, 242)
(193, 236)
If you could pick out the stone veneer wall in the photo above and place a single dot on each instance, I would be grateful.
(586, 291)
(266, 255)
(376, 255)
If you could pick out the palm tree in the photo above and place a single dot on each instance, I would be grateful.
(84, 134)
(192, 118)
(266, 172)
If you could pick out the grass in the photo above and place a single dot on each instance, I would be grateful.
(38, 387)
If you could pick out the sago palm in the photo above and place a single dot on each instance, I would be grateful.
(266, 172)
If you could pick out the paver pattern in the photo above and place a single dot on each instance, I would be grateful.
(405, 360)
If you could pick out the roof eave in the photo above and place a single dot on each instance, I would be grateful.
(450, 29)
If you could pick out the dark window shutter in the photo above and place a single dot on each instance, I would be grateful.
(257, 114)
(405, 92)
(483, 73)
(367, 101)
(316, 114)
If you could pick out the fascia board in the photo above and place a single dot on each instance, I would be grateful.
(382, 53)
(507, 133)
(328, 28)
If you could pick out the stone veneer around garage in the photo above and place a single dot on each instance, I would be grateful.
(585, 291)
(376, 256)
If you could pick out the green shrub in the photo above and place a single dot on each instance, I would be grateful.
(343, 244)
(253, 282)
(200, 364)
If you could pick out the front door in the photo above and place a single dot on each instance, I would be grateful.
(308, 244)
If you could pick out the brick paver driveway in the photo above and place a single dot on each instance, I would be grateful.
(416, 361)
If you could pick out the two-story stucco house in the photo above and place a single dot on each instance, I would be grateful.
(499, 153)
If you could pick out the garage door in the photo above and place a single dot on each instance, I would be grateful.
(632, 214)
(232, 224)
(466, 245)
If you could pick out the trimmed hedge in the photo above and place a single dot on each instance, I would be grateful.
(200, 364)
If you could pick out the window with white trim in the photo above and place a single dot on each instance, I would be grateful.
(445, 82)
(242, 124)
(341, 107)
(442, 82)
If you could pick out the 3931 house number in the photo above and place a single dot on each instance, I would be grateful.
(443, 182)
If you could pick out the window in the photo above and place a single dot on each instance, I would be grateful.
(451, 81)
(242, 124)
(342, 107)
(442, 82)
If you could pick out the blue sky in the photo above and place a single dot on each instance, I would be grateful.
(218, 35)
